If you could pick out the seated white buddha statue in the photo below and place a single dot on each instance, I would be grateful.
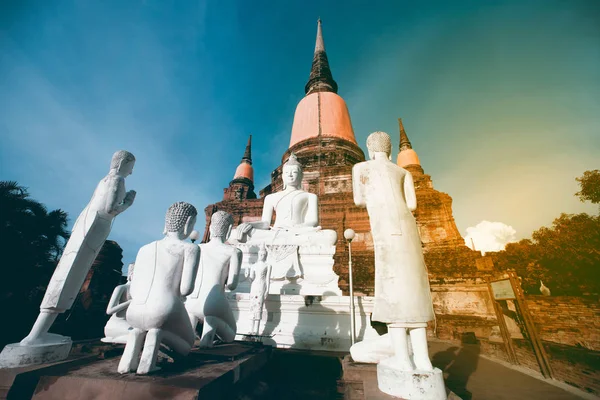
(296, 215)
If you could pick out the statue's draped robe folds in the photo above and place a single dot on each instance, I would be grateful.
(402, 293)
(87, 237)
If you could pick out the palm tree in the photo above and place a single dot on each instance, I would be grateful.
(32, 237)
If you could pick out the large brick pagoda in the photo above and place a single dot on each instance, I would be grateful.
(323, 140)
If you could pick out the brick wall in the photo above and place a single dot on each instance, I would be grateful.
(568, 320)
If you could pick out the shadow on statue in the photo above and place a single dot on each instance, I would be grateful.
(458, 364)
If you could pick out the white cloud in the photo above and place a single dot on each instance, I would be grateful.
(490, 236)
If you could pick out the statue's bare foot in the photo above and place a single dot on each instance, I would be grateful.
(423, 363)
(399, 363)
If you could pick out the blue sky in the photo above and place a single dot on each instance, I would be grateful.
(501, 100)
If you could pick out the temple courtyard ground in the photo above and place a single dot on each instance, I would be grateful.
(246, 371)
(300, 375)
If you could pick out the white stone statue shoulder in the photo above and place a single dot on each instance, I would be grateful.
(402, 293)
(296, 215)
(219, 267)
(87, 237)
(164, 272)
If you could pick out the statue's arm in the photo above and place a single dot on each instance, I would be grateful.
(409, 192)
(113, 305)
(190, 268)
(357, 187)
(235, 264)
(312, 212)
(267, 215)
(264, 223)
(118, 200)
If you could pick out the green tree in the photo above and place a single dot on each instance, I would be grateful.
(565, 256)
(590, 187)
(31, 243)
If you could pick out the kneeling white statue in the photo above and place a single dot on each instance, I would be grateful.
(219, 267)
(402, 293)
(117, 328)
(164, 272)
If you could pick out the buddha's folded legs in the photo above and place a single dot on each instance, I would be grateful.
(302, 236)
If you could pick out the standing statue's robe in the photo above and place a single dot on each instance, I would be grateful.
(402, 292)
(87, 238)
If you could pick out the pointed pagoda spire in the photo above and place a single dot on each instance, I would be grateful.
(404, 142)
(407, 156)
(248, 153)
(245, 170)
(320, 79)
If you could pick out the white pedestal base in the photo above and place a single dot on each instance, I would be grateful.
(50, 348)
(410, 385)
(315, 262)
(305, 322)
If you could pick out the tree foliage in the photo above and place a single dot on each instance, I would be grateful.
(31, 243)
(590, 187)
(565, 256)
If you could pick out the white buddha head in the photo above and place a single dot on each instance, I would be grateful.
(181, 218)
(292, 172)
(220, 225)
(122, 163)
(262, 252)
(379, 142)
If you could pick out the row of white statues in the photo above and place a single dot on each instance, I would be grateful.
(176, 284)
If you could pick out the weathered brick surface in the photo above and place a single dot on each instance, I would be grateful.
(576, 366)
(568, 320)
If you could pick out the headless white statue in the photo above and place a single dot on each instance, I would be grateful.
(219, 267)
(296, 215)
(164, 272)
(260, 276)
(87, 237)
(402, 293)
(117, 328)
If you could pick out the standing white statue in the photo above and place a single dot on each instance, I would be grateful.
(117, 329)
(219, 267)
(164, 272)
(402, 293)
(260, 276)
(87, 237)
